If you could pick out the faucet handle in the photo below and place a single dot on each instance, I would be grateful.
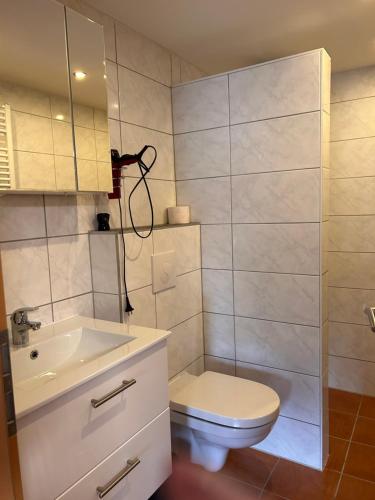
(20, 314)
(370, 311)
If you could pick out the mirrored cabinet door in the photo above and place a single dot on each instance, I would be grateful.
(89, 97)
(36, 140)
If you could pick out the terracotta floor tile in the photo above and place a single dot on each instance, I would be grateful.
(361, 461)
(266, 495)
(250, 466)
(364, 431)
(337, 452)
(347, 402)
(367, 407)
(341, 424)
(353, 488)
(297, 482)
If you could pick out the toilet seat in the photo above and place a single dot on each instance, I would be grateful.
(225, 400)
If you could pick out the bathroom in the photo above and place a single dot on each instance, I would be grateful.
(261, 289)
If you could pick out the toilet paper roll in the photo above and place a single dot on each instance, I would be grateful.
(179, 215)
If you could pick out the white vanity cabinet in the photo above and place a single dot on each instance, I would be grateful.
(68, 448)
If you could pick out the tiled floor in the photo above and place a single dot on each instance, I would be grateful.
(350, 471)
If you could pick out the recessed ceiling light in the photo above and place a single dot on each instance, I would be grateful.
(59, 117)
(79, 75)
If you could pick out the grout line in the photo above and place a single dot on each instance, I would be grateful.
(353, 138)
(261, 271)
(144, 76)
(353, 359)
(263, 319)
(352, 99)
(269, 476)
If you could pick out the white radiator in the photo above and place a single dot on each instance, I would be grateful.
(7, 177)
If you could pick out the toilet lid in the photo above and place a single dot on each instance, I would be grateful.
(226, 400)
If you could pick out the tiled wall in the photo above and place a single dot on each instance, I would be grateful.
(44, 239)
(178, 309)
(352, 231)
(250, 154)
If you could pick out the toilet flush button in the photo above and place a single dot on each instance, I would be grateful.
(163, 271)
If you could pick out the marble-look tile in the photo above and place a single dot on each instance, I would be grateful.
(294, 440)
(352, 270)
(354, 158)
(87, 174)
(216, 246)
(280, 345)
(219, 335)
(185, 241)
(175, 305)
(25, 264)
(83, 115)
(144, 303)
(43, 177)
(136, 52)
(346, 304)
(100, 120)
(133, 140)
(325, 139)
(325, 194)
(325, 75)
(65, 173)
(60, 106)
(353, 84)
(201, 105)
(196, 368)
(113, 108)
(105, 262)
(104, 170)
(114, 134)
(287, 143)
(352, 341)
(102, 146)
(352, 196)
(21, 217)
(81, 305)
(220, 365)
(278, 297)
(324, 305)
(284, 248)
(85, 143)
(67, 215)
(283, 87)
(277, 197)
(298, 393)
(352, 375)
(32, 133)
(202, 154)
(353, 119)
(217, 291)
(209, 199)
(107, 307)
(185, 345)
(70, 269)
(176, 69)
(138, 253)
(25, 99)
(352, 234)
(144, 102)
(190, 72)
(62, 138)
(324, 246)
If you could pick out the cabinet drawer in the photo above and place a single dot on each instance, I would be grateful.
(151, 447)
(65, 439)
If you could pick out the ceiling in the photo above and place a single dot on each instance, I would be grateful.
(219, 35)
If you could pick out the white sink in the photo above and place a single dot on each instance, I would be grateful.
(45, 360)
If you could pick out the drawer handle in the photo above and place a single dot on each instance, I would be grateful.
(124, 385)
(103, 490)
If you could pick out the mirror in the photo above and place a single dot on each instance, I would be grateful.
(42, 147)
(89, 97)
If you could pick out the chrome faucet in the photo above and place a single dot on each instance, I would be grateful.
(21, 325)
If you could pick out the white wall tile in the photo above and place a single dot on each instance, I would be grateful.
(352, 341)
(185, 345)
(216, 246)
(352, 375)
(138, 253)
(144, 303)
(220, 365)
(190, 72)
(353, 119)
(175, 305)
(352, 270)
(115, 135)
(352, 196)
(43, 171)
(25, 99)
(70, 270)
(219, 335)
(81, 305)
(104, 262)
(83, 115)
(278, 297)
(21, 217)
(67, 215)
(113, 108)
(202, 154)
(346, 304)
(353, 84)
(299, 394)
(185, 241)
(209, 199)
(201, 105)
(277, 197)
(144, 102)
(278, 345)
(279, 144)
(32, 133)
(62, 138)
(354, 158)
(217, 291)
(352, 234)
(107, 307)
(295, 248)
(85, 143)
(142, 55)
(25, 274)
(285, 87)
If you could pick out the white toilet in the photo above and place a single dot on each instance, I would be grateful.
(213, 413)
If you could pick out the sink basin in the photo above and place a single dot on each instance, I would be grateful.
(44, 361)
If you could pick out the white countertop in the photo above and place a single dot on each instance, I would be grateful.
(29, 397)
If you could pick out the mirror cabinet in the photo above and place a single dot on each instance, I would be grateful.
(53, 101)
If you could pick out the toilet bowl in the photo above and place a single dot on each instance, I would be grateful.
(212, 413)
